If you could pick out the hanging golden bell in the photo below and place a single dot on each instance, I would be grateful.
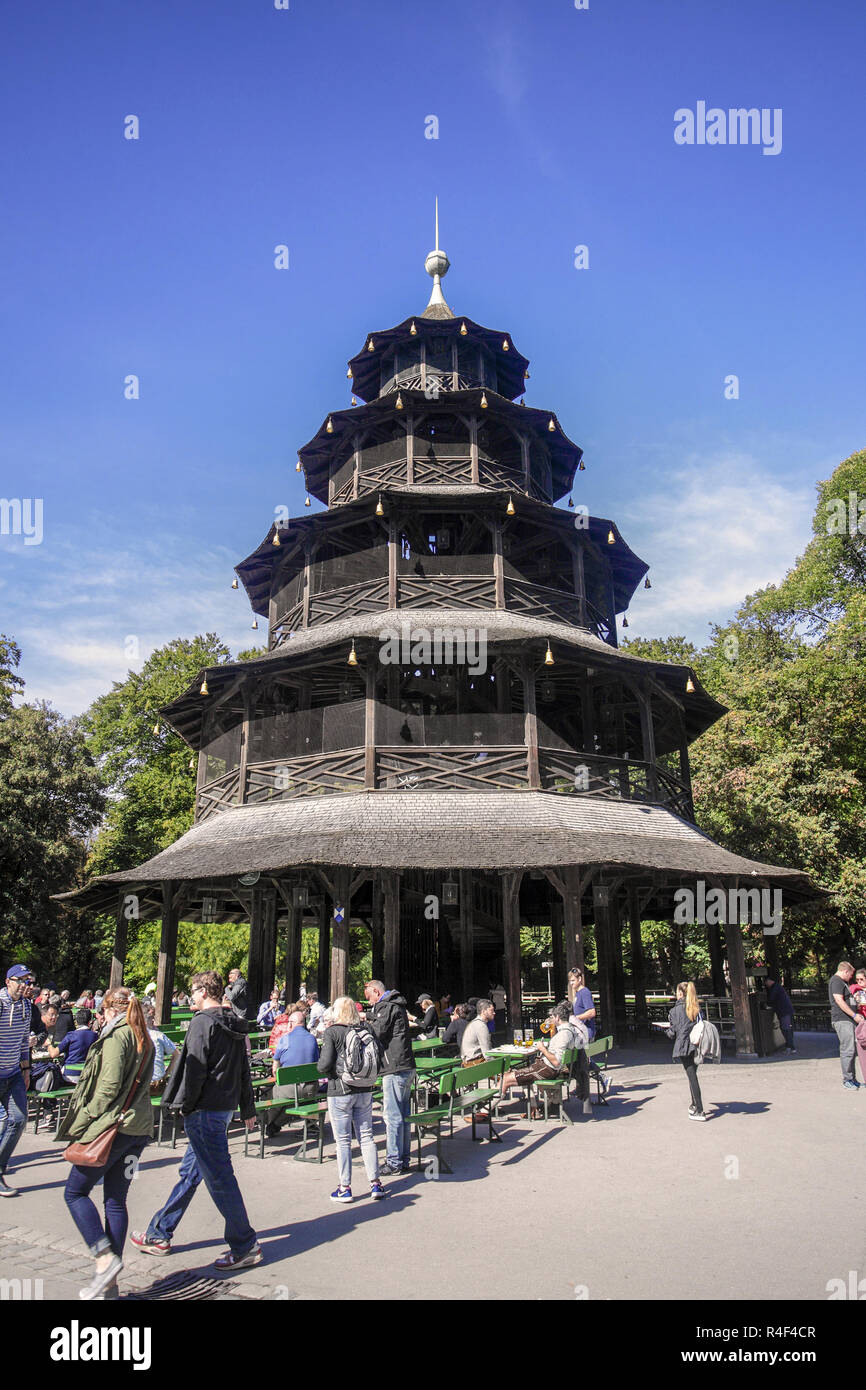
(307, 500)
(581, 467)
(255, 624)
(646, 583)
(349, 374)
(235, 584)
(203, 690)
(398, 404)
(611, 538)
(276, 537)
(352, 659)
(548, 656)
(413, 330)
(551, 425)
(690, 686)
(298, 466)
(370, 345)
(380, 510)
(504, 344)
(354, 402)
(156, 728)
(483, 401)
(329, 428)
(463, 330)
(509, 510)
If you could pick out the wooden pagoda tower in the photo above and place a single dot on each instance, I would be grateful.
(522, 769)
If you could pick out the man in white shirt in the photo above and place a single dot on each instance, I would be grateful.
(317, 1008)
(476, 1041)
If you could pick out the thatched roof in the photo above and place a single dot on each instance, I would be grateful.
(444, 830)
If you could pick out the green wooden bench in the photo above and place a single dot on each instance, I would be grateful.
(310, 1112)
(599, 1049)
(61, 1096)
(467, 1092)
(557, 1087)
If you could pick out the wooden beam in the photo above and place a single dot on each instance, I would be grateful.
(717, 968)
(473, 449)
(308, 577)
(638, 965)
(498, 565)
(370, 724)
(745, 1035)
(294, 925)
(391, 951)
(255, 959)
(377, 930)
(392, 562)
(167, 954)
(557, 951)
(530, 725)
(269, 947)
(571, 918)
(511, 934)
(121, 928)
(644, 698)
(467, 930)
(340, 934)
(324, 962)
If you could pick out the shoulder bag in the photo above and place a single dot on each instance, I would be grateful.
(95, 1154)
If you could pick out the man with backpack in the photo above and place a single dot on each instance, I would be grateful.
(350, 1059)
(389, 1020)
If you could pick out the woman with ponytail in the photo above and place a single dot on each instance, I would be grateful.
(113, 1090)
(681, 1020)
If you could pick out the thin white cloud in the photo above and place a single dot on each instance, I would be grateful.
(721, 527)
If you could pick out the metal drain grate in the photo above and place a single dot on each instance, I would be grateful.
(186, 1284)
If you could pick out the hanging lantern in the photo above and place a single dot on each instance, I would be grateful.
(483, 401)
(547, 690)
(690, 686)
(276, 536)
(370, 344)
(548, 656)
(203, 690)
(307, 500)
(329, 428)
(551, 425)
(611, 538)
(581, 467)
(299, 467)
(504, 344)
(347, 690)
(235, 584)
(413, 330)
(450, 893)
(352, 659)
(398, 404)
(646, 583)
(509, 510)
(380, 510)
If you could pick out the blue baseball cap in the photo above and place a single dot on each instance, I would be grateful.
(19, 972)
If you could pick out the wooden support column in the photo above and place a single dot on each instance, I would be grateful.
(498, 566)
(587, 715)
(473, 449)
(391, 953)
(255, 959)
(370, 725)
(245, 742)
(572, 924)
(527, 467)
(295, 917)
(745, 1035)
(392, 562)
(410, 448)
(340, 935)
(530, 725)
(467, 932)
(377, 930)
(580, 583)
(770, 945)
(717, 969)
(649, 743)
(324, 963)
(611, 985)
(167, 953)
(308, 579)
(118, 956)
(557, 952)
(269, 947)
(638, 967)
(511, 933)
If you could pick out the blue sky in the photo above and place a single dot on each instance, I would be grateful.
(306, 127)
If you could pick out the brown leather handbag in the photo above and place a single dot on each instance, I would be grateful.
(96, 1153)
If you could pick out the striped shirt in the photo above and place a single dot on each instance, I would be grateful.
(14, 1034)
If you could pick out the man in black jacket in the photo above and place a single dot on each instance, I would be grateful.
(389, 1020)
(210, 1081)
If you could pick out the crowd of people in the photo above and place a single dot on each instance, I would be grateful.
(120, 1057)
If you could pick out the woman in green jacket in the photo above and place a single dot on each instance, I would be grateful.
(122, 1051)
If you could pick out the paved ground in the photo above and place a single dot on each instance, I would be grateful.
(615, 1207)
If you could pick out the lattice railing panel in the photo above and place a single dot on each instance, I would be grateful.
(314, 776)
(444, 591)
(442, 470)
(383, 473)
(217, 796)
(345, 492)
(450, 769)
(522, 596)
(621, 779)
(342, 603)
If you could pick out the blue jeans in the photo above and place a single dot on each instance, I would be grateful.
(115, 1176)
(346, 1112)
(13, 1115)
(207, 1157)
(396, 1108)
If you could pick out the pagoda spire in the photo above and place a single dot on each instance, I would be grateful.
(437, 265)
